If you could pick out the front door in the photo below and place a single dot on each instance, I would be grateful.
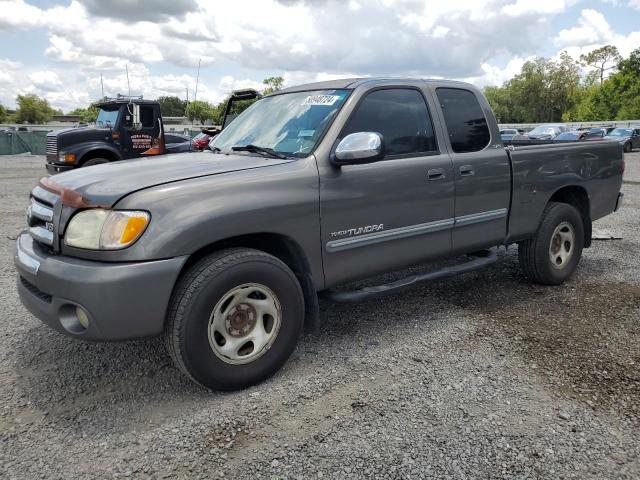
(146, 138)
(395, 212)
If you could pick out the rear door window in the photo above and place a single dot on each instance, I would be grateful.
(465, 120)
(400, 115)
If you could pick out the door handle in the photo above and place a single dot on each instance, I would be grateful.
(435, 174)
(467, 171)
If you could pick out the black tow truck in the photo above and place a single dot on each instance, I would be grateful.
(126, 127)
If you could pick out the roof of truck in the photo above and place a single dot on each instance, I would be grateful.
(123, 99)
(372, 81)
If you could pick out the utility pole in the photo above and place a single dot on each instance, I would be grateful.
(195, 95)
(101, 86)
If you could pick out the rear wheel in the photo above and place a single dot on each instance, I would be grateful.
(235, 318)
(552, 255)
(95, 161)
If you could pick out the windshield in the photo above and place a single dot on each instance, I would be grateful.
(107, 116)
(620, 132)
(290, 123)
(543, 131)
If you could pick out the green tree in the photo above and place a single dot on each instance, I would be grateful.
(33, 109)
(601, 60)
(3, 114)
(200, 110)
(172, 106)
(541, 92)
(273, 84)
(88, 115)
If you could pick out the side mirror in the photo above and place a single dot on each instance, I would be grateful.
(136, 124)
(357, 148)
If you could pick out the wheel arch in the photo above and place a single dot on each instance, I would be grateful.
(98, 153)
(576, 196)
(280, 246)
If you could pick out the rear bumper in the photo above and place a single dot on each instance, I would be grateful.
(121, 300)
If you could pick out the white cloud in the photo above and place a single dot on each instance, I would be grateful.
(240, 42)
(17, 15)
(593, 31)
(45, 80)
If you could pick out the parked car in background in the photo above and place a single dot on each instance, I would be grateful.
(508, 133)
(572, 136)
(201, 141)
(545, 132)
(629, 138)
(173, 137)
(596, 133)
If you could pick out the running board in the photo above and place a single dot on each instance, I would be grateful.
(478, 260)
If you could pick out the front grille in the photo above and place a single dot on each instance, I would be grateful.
(45, 297)
(40, 216)
(52, 145)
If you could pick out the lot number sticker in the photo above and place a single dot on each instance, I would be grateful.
(320, 100)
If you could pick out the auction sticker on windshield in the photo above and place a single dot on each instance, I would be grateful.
(321, 100)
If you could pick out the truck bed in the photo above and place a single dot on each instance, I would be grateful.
(539, 170)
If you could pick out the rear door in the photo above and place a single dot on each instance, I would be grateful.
(395, 212)
(481, 170)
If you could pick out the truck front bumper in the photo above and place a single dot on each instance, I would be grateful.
(53, 168)
(95, 300)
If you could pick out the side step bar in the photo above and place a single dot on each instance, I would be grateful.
(477, 261)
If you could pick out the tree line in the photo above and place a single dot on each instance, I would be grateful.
(32, 109)
(600, 86)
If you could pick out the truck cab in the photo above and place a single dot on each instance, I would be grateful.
(126, 127)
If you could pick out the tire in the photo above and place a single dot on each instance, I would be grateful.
(218, 304)
(627, 147)
(550, 263)
(95, 161)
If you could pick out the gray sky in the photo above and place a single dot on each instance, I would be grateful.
(58, 49)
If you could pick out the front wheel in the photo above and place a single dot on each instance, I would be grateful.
(95, 161)
(552, 255)
(234, 319)
(628, 147)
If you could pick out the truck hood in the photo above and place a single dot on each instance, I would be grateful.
(69, 136)
(104, 185)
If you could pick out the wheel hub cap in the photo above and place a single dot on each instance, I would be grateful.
(562, 245)
(241, 320)
(244, 323)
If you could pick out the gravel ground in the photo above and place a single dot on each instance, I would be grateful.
(480, 376)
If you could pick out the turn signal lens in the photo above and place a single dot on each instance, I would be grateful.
(100, 229)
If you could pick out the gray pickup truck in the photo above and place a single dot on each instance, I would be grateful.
(224, 252)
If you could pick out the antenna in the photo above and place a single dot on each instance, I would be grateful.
(126, 66)
(101, 85)
(195, 95)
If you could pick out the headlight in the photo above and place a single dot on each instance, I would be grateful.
(99, 229)
(66, 157)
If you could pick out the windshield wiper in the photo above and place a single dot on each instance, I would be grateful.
(256, 149)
